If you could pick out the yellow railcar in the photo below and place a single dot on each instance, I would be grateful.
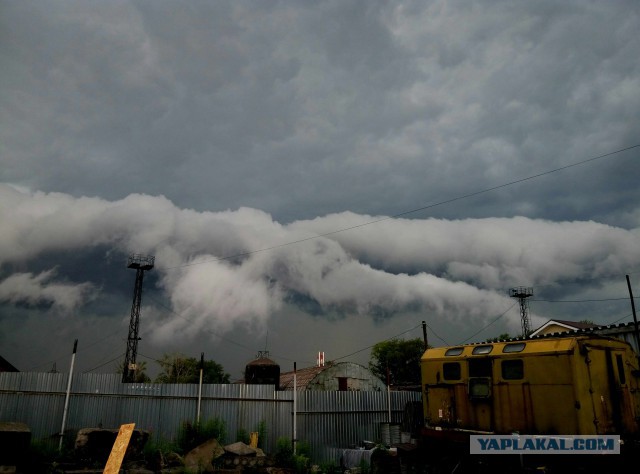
(573, 385)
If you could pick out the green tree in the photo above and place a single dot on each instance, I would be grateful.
(401, 357)
(178, 368)
(140, 374)
(502, 337)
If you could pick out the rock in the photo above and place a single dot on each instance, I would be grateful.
(95, 444)
(240, 449)
(201, 457)
(174, 460)
(15, 439)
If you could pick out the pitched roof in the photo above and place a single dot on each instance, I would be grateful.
(262, 361)
(303, 377)
(568, 325)
(577, 325)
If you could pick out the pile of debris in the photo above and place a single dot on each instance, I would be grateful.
(93, 447)
(232, 457)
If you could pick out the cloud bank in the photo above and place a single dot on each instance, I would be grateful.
(238, 268)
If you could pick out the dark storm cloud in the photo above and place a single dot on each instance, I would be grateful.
(200, 130)
(363, 106)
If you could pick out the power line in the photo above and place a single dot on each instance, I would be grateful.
(623, 317)
(606, 276)
(577, 301)
(81, 349)
(412, 211)
(385, 340)
(435, 334)
(585, 301)
(492, 322)
(151, 358)
(102, 365)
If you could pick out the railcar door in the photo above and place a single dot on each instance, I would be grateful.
(480, 393)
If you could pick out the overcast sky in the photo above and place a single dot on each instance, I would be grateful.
(311, 175)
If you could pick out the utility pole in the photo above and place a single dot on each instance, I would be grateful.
(424, 335)
(294, 439)
(66, 399)
(200, 387)
(141, 264)
(635, 319)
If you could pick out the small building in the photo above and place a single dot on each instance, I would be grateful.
(560, 325)
(334, 376)
(624, 331)
(262, 370)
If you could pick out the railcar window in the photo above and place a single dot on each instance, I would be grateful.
(451, 371)
(620, 365)
(512, 369)
(517, 347)
(480, 367)
(454, 351)
(479, 387)
(482, 349)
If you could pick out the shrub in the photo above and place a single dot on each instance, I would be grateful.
(262, 434)
(242, 435)
(284, 452)
(285, 457)
(194, 434)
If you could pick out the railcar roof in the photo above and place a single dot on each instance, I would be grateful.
(515, 347)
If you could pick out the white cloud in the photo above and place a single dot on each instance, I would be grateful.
(32, 290)
(239, 267)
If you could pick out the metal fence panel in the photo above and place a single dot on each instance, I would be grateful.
(327, 421)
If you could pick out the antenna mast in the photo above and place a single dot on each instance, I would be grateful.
(522, 294)
(141, 263)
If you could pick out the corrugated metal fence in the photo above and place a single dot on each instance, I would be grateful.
(327, 421)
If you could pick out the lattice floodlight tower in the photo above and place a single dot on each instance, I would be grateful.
(141, 263)
(522, 294)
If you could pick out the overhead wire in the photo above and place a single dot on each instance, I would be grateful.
(81, 349)
(582, 301)
(369, 347)
(394, 216)
(435, 334)
(491, 323)
(412, 211)
(105, 363)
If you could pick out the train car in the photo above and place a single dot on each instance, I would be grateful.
(561, 385)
